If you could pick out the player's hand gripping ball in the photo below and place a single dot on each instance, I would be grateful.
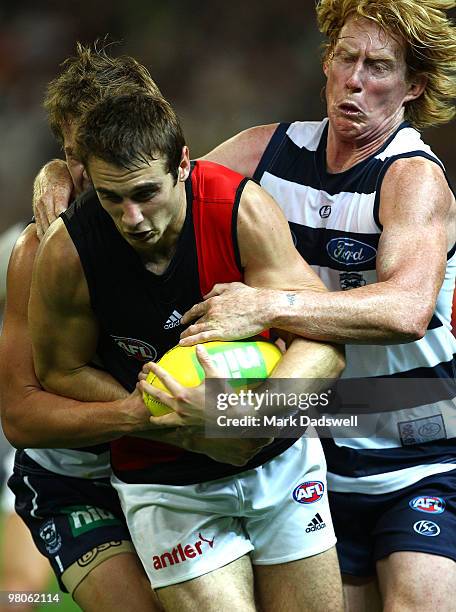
(240, 362)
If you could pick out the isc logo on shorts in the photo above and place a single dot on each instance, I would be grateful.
(309, 492)
(181, 553)
(428, 504)
(427, 528)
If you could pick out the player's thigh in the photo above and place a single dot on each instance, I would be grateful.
(227, 589)
(308, 585)
(184, 532)
(289, 524)
(119, 583)
(415, 547)
(410, 580)
(287, 512)
(24, 567)
(77, 524)
(361, 594)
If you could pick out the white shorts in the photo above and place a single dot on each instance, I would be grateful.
(278, 512)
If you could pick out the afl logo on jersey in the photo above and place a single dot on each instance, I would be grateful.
(138, 349)
(350, 252)
(428, 504)
(309, 492)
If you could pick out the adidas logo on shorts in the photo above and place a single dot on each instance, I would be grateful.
(173, 320)
(315, 524)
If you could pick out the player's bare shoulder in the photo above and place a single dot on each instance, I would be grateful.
(24, 251)
(419, 186)
(260, 212)
(243, 151)
(58, 270)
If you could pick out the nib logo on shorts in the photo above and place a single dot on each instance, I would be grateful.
(315, 524)
(86, 518)
(173, 320)
(181, 553)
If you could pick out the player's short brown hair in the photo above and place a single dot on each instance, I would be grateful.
(130, 130)
(88, 77)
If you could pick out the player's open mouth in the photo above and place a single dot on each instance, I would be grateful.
(141, 236)
(347, 108)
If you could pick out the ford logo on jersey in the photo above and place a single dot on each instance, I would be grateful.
(309, 492)
(350, 252)
(428, 504)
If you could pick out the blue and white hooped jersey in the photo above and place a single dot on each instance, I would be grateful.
(334, 220)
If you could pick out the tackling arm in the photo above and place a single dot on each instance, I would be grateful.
(270, 261)
(396, 309)
(418, 219)
(32, 417)
(242, 152)
(63, 327)
(53, 190)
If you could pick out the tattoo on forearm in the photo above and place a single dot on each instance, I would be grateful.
(291, 297)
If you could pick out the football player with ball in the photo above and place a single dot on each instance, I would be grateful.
(162, 232)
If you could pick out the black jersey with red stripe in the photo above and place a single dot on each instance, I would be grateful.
(139, 312)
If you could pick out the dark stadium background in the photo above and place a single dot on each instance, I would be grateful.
(224, 65)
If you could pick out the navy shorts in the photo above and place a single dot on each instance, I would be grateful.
(418, 518)
(77, 523)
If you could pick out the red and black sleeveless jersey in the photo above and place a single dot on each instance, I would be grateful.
(139, 312)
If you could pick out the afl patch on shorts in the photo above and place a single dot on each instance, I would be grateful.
(418, 518)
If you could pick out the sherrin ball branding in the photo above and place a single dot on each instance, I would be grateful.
(236, 361)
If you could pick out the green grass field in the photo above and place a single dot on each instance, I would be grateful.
(66, 604)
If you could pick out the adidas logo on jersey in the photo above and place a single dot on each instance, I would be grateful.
(315, 524)
(173, 320)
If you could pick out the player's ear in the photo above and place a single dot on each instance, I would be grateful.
(416, 87)
(326, 61)
(184, 166)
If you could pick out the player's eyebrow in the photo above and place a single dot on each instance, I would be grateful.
(343, 44)
(150, 186)
(106, 192)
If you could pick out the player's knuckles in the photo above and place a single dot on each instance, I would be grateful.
(195, 311)
(192, 330)
(184, 403)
